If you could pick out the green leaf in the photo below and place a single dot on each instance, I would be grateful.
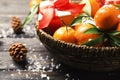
(92, 31)
(79, 19)
(94, 41)
(118, 5)
(30, 15)
(76, 21)
(115, 40)
(114, 33)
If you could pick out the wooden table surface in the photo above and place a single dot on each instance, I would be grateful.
(40, 64)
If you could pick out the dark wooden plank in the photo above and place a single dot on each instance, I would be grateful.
(41, 63)
(34, 47)
(14, 7)
(38, 59)
(29, 75)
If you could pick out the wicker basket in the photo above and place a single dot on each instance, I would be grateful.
(82, 57)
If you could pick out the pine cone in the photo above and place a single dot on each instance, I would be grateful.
(18, 52)
(16, 25)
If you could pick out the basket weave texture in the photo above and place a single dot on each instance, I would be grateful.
(82, 57)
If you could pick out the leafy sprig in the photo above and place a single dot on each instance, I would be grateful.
(30, 15)
(93, 30)
(94, 42)
(112, 37)
(80, 19)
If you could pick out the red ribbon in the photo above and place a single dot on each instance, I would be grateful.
(103, 2)
(48, 12)
(112, 1)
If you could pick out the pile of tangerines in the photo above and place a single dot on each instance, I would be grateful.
(101, 28)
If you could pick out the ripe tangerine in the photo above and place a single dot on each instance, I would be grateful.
(65, 34)
(106, 18)
(81, 37)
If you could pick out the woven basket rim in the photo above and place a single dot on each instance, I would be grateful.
(75, 45)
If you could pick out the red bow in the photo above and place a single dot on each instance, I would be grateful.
(48, 11)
